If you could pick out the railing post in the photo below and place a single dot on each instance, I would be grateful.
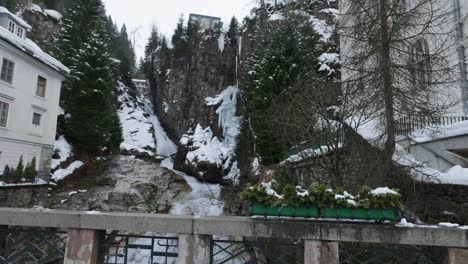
(321, 252)
(457, 256)
(194, 249)
(82, 246)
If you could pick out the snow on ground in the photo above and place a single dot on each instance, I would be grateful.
(49, 12)
(320, 26)
(137, 130)
(63, 149)
(61, 174)
(276, 17)
(37, 182)
(204, 199)
(164, 146)
(431, 133)
(308, 153)
(205, 147)
(372, 131)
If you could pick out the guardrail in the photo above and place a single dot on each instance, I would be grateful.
(195, 233)
(406, 125)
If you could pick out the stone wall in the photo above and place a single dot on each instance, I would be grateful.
(24, 196)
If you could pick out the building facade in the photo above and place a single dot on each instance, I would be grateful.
(30, 83)
(205, 22)
(142, 87)
(451, 44)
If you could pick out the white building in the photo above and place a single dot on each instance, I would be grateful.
(30, 83)
(142, 87)
(205, 22)
(455, 50)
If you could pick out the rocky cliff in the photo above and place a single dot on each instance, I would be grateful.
(196, 101)
(45, 22)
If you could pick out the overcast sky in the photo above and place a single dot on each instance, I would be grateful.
(140, 15)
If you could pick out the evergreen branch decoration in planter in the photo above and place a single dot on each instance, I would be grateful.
(271, 199)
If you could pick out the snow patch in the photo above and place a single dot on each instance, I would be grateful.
(164, 146)
(203, 200)
(63, 173)
(136, 128)
(221, 43)
(64, 150)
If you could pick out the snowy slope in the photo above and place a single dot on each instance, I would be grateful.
(137, 130)
(164, 146)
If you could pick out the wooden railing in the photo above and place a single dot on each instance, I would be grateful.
(406, 125)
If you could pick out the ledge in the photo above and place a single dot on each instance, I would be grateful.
(239, 226)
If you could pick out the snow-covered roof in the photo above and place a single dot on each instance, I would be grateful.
(30, 48)
(16, 18)
(435, 132)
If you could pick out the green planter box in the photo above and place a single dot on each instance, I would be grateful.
(290, 211)
(378, 214)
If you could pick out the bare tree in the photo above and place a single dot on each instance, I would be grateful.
(396, 60)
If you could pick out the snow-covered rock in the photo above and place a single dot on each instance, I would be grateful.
(61, 174)
(137, 130)
(206, 156)
(63, 149)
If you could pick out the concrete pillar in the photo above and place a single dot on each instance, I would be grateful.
(321, 252)
(457, 256)
(82, 247)
(194, 249)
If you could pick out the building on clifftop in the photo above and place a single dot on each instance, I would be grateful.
(205, 22)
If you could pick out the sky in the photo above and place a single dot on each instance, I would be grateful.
(140, 15)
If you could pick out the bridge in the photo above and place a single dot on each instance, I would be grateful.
(83, 231)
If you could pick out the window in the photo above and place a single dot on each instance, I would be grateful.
(41, 86)
(3, 114)
(20, 32)
(11, 26)
(420, 63)
(36, 119)
(7, 70)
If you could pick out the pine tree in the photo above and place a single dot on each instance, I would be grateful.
(19, 172)
(179, 38)
(6, 176)
(285, 53)
(9, 4)
(92, 126)
(30, 170)
(233, 31)
(126, 55)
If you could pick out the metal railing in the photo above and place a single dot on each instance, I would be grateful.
(125, 248)
(406, 125)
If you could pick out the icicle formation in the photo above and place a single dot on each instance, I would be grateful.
(227, 119)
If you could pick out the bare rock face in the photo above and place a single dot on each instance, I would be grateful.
(184, 81)
(131, 185)
(45, 24)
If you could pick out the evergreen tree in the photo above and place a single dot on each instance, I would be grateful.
(150, 49)
(30, 170)
(285, 53)
(233, 31)
(92, 127)
(6, 176)
(126, 55)
(179, 38)
(9, 4)
(19, 172)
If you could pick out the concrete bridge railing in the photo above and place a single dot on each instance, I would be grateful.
(195, 233)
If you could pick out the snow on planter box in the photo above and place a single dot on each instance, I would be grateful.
(273, 199)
